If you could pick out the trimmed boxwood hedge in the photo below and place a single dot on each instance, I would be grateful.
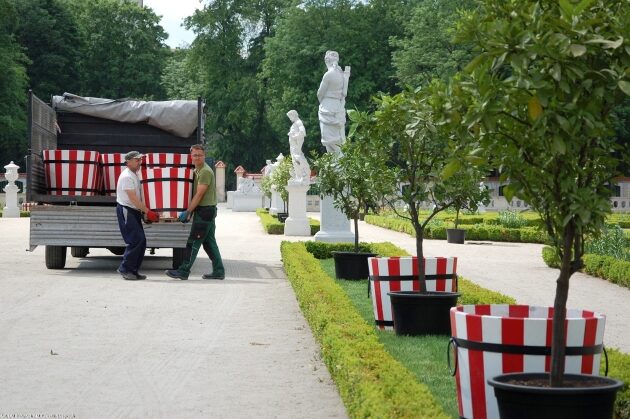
(475, 232)
(272, 226)
(370, 381)
(606, 267)
(353, 353)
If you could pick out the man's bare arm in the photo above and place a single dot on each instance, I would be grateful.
(201, 190)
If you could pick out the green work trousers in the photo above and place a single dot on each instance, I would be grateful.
(202, 234)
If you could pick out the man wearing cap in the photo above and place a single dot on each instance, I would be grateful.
(129, 210)
(203, 211)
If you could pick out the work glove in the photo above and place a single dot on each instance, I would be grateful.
(183, 216)
(153, 216)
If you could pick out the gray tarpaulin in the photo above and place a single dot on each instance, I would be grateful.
(178, 117)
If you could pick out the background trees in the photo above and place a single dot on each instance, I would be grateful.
(13, 82)
(50, 37)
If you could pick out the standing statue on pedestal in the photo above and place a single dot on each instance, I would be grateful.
(332, 101)
(301, 170)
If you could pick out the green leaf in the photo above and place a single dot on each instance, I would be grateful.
(534, 108)
(581, 6)
(556, 72)
(558, 146)
(625, 87)
(566, 7)
(509, 191)
(577, 50)
(474, 63)
(450, 169)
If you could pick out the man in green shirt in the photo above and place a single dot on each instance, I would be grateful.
(203, 210)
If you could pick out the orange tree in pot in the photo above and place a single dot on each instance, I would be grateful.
(352, 183)
(538, 100)
(408, 147)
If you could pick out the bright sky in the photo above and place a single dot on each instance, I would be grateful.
(173, 13)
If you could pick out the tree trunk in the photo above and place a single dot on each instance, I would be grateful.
(558, 344)
(420, 255)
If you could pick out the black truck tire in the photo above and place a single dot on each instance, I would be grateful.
(79, 252)
(56, 257)
(178, 256)
(118, 251)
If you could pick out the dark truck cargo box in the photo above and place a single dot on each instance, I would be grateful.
(64, 224)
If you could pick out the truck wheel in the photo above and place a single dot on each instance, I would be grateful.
(55, 257)
(178, 256)
(118, 251)
(79, 252)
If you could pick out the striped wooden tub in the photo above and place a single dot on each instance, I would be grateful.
(401, 274)
(498, 339)
(167, 191)
(71, 172)
(111, 166)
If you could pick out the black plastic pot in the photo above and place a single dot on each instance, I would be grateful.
(282, 216)
(422, 313)
(517, 400)
(455, 235)
(351, 265)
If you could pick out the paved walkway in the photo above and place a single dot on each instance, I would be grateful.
(81, 341)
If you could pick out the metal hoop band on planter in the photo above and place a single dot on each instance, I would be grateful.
(391, 274)
(490, 340)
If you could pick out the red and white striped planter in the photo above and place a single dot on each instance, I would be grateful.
(496, 339)
(111, 165)
(156, 160)
(71, 172)
(401, 274)
(167, 191)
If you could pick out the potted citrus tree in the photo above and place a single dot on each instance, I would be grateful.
(407, 146)
(279, 180)
(352, 182)
(538, 101)
(469, 177)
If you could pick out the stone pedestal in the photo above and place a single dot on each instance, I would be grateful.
(297, 223)
(335, 226)
(246, 202)
(277, 204)
(11, 210)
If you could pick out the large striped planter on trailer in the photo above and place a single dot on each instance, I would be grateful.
(71, 172)
(177, 160)
(111, 166)
(495, 339)
(167, 191)
(401, 274)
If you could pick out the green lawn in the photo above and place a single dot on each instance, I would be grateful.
(424, 356)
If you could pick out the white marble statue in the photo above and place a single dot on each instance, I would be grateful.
(246, 186)
(332, 101)
(268, 168)
(301, 170)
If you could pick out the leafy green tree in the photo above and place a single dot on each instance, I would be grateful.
(427, 51)
(350, 179)
(179, 78)
(49, 35)
(13, 82)
(294, 61)
(540, 100)
(227, 54)
(280, 179)
(405, 129)
(124, 52)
